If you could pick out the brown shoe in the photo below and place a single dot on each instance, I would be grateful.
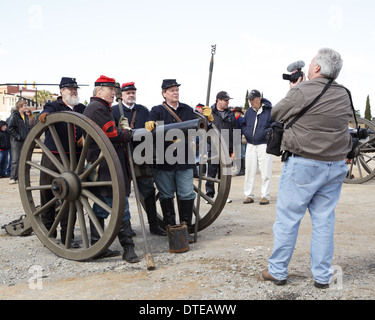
(264, 201)
(248, 200)
(267, 277)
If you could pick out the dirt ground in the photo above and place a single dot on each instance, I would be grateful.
(225, 263)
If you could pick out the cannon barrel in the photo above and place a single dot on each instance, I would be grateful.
(183, 126)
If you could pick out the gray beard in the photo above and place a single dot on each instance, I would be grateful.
(130, 102)
(72, 101)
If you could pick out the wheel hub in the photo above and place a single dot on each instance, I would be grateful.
(67, 187)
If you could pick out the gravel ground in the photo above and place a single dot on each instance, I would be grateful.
(225, 263)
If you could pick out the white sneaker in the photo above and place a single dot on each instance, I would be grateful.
(11, 181)
(229, 200)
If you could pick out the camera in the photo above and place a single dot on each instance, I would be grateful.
(360, 133)
(293, 77)
(295, 66)
(356, 134)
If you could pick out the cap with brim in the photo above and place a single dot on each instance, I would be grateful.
(67, 82)
(238, 109)
(128, 86)
(104, 81)
(254, 94)
(168, 83)
(223, 95)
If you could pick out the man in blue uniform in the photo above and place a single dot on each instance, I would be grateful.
(174, 178)
(68, 101)
(137, 116)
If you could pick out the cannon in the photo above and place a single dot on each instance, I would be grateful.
(73, 189)
(361, 169)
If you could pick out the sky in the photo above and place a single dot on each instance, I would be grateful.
(146, 41)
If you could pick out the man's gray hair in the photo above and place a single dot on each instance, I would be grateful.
(330, 63)
(96, 89)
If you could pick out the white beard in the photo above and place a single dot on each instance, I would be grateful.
(130, 102)
(72, 101)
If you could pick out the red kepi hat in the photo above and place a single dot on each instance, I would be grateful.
(128, 86)
(104, 81)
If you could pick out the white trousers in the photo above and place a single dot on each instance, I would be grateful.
(257, 157)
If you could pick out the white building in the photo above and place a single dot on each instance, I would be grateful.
(9, 95)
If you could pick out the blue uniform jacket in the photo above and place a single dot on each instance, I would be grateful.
(185, 113)
(140, 117)
(61, 128)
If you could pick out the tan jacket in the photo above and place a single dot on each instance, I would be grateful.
(321, 133)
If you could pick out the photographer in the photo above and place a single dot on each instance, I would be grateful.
(315, 170)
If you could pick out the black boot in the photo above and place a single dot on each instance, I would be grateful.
(133, 234)
(127, 243)
(186, 213)
(242, 170)
(169, 214)
(95, 237)
(150, 204)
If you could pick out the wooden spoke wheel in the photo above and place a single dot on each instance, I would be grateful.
(210, 209)
(74, 193)
(362, 168)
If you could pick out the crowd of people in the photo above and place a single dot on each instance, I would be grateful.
(314, 172)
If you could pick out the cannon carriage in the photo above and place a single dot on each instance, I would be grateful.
(361, 169)
(73, 187)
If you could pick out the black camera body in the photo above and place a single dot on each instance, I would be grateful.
(356, 134)
(294, 76)
(360, 133)
(295, 66)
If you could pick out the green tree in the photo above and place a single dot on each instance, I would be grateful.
(247, 105)
(43, 96)
(368, 109)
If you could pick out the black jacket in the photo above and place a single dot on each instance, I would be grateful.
(61, 128)
(141, 115)
(99, 111)
(160, 114)
(18, 128)
(224, 120)
(4, 138)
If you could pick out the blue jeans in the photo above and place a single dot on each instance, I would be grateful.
(316, 186)
(3, 163)
(101, 213)
(179, 181)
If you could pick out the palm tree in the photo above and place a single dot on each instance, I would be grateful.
(42, 97)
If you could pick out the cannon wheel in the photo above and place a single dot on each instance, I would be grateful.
(222, 183)
(362, 168)
(210, 209)
(71, 187)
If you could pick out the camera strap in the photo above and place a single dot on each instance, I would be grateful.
(304, 110)
(351, 102)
